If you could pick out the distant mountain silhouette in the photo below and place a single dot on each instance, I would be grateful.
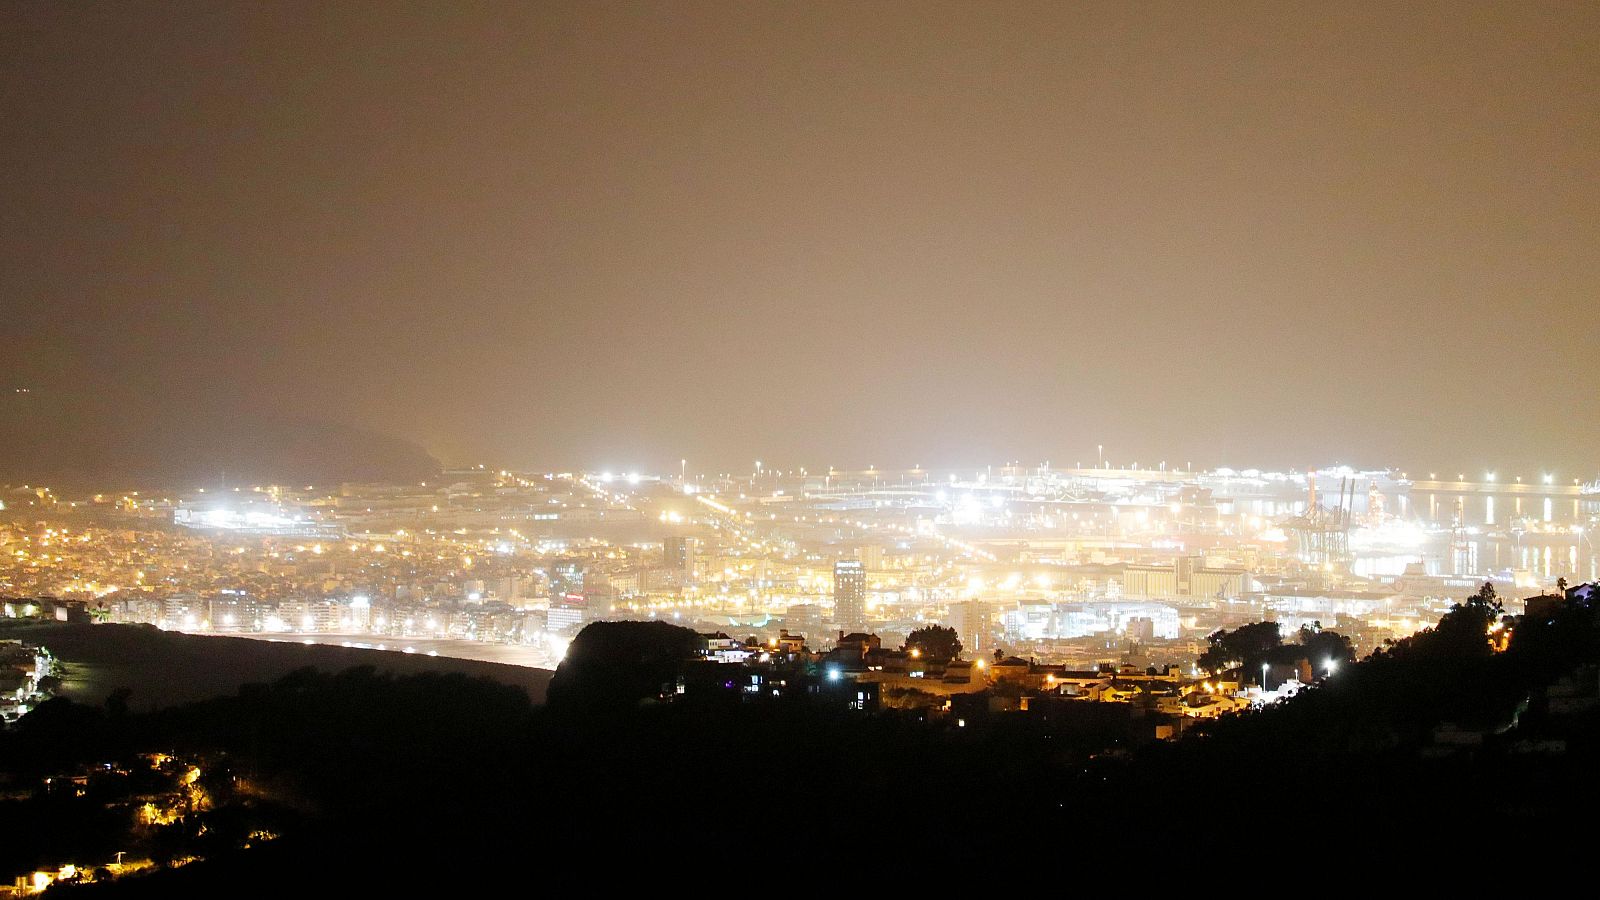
(102, 444)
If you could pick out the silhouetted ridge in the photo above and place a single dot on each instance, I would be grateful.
(614, 665)
(101, 443)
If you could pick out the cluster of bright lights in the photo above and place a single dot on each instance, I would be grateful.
(233, 519)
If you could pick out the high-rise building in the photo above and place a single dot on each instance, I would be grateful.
(973, 621)
(850, 594)
(575, 601)
(566, 578)
(676, 554)
(871, 556)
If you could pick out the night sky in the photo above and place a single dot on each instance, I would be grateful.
(553, 235)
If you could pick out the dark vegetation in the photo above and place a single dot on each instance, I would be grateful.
(936, 643)
(1375, 741)
(1247, 647)
(611, 666)
(427, 776)
(167, 668)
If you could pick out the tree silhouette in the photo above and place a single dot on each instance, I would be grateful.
(1324, 647)
(1246, 646)
(1465, 628)
(936, 643)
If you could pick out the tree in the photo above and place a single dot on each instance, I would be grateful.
(1466, 627)
(1324, 647)
(117, 702)
(1243, 647)
(936, 643)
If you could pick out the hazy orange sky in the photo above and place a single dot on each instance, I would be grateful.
(556, 235)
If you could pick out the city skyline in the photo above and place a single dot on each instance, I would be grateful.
(445, 443)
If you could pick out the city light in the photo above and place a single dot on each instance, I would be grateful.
(1072, 565)
(1053, 374)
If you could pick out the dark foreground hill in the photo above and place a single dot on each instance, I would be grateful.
(1446, 745)
(166, 668)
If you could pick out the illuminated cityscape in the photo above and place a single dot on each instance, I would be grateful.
(1077, 566)
(500, 447)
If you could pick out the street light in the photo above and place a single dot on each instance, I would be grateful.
(1263, 679)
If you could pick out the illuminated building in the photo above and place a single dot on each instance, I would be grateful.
(871, 556)
(850, 594)
(566, 580)
(570, 608)
(677, 555)
(973, 621)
